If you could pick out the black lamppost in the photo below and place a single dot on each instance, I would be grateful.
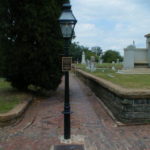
(67, 23)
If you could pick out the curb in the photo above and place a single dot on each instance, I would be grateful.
(13, 115)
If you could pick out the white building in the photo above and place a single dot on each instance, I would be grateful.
(137, 57)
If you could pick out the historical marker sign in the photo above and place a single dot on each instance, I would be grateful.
(66, 63)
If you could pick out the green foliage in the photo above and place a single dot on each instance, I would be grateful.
(31, 43)
(97, 50)
(89, 53)
(76, 52)
(111, 55)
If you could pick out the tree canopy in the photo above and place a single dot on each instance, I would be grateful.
(111, 55)
(76, 52)
(31, 43)
(97, 50)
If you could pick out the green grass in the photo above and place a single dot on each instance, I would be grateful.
(4, 85)
(9, 97)
(109, 65)
(135, 81)
(81, 66)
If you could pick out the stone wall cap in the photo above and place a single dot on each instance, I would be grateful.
(118, 90)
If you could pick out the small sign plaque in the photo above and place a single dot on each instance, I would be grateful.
(66, 63)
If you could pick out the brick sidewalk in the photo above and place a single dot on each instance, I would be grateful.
(43, 124)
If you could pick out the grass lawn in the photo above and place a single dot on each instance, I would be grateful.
(9, 97)
(139, 81)
(109, 65)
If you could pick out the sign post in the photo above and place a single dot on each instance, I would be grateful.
(66, 63)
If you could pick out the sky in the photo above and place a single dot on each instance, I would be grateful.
(112, 24)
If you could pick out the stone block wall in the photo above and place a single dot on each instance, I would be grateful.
(126, 108)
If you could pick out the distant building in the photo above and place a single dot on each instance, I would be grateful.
(137, 57)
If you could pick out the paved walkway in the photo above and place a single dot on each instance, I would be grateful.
(43, 124)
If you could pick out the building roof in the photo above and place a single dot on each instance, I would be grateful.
(147, 35)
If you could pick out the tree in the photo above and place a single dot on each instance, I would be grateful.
(111, 55)
(31, 43)
(97, 50)
(89, 53)
(76, 52)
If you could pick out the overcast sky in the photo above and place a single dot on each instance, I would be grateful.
(112, 24)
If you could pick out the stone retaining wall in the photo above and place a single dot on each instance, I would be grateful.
(127, 105)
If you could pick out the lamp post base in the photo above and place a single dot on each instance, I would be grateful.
(67, 129)
(67, 125)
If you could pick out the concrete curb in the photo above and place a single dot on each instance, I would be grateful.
(12, 116)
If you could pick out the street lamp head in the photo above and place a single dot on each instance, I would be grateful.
(67, 21)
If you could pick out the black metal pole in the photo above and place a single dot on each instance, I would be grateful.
(67, 101)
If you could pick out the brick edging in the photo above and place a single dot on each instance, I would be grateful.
(12, 115)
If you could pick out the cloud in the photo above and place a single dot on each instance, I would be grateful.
(111, 24)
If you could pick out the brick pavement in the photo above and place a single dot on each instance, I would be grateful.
(43, 124)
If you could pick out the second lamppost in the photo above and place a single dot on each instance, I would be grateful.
(67, 23)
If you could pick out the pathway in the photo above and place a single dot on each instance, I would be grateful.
(43, 124)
